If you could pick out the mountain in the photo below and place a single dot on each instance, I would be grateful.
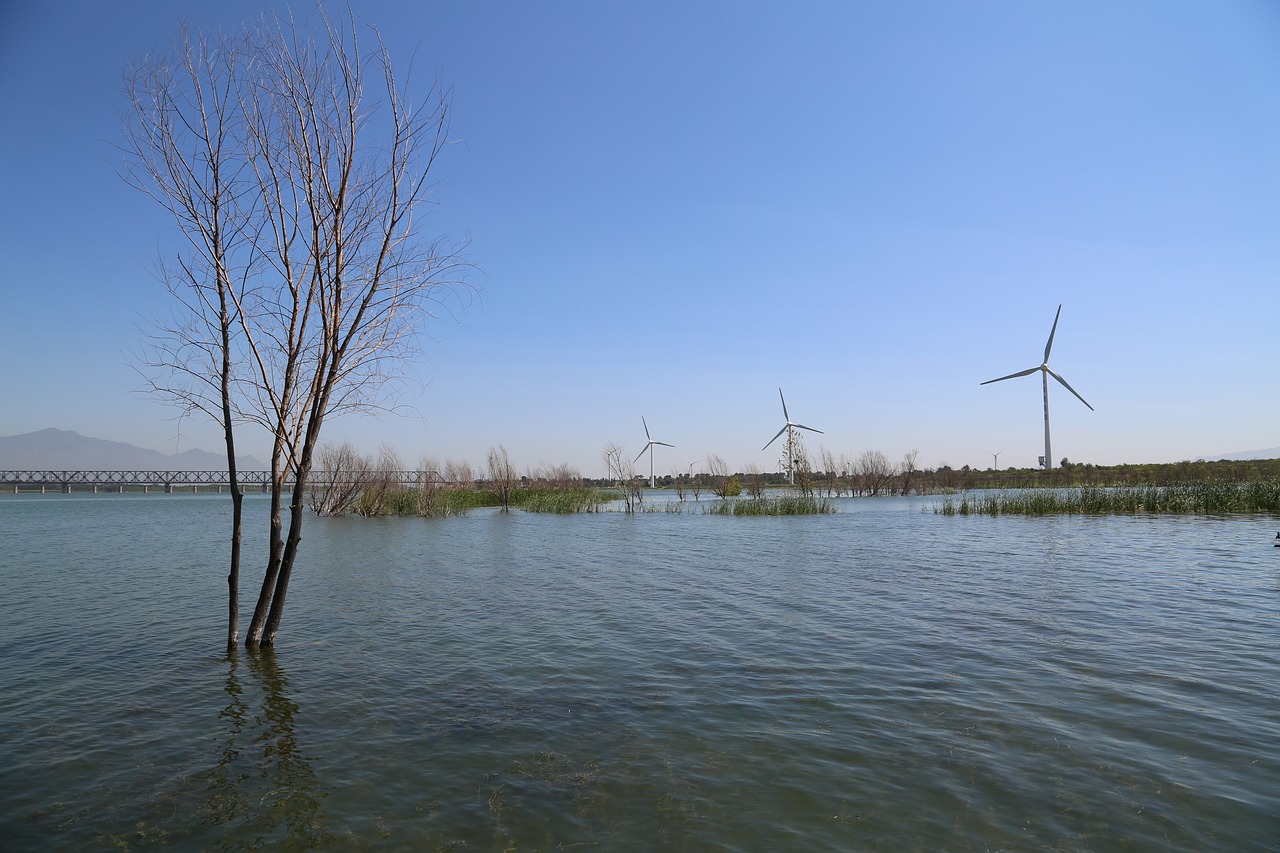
(1273, 453)
(63, 450)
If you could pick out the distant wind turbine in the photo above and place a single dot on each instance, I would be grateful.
(995, 458)
(1045, 373)
(789, 428)
(649, 447)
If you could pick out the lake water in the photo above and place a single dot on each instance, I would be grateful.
(882, 678)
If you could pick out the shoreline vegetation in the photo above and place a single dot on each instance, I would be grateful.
(347, 483)
(1214, 497)
(353, 484)
(445, 502)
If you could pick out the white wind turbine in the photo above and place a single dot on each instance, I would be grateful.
(789, 428)
(650, 442)
(1045, 373)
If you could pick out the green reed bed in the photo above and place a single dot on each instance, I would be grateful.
(439, 502)
(424, 502)
(783, 505)
(562, 501)
(1207, 498)
(669, 507)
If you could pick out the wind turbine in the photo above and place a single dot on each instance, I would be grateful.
(995, 458)
(649, 447)
(1045, 373)
(789, 428)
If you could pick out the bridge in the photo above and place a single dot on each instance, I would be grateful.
(168, 481)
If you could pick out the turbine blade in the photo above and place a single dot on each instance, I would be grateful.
(646, 428)
(641, 453)
(810, 429)
(664, 444)
(775, 438)
(784, 406)
(1026, 372)
(1072, 390)
(1049, 345)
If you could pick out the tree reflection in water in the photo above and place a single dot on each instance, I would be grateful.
(263, 790)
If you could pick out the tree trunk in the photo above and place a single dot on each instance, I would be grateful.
(233, 577)
(296, 515)
(237, 525)
(253, 639)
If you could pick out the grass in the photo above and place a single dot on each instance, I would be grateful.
(424, 502)
(783, 505)
(447, 502)
(562, 501)
(1205, 498)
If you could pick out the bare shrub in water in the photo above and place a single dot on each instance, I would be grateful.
(1207, 498)
(342, 474)
(502, 476)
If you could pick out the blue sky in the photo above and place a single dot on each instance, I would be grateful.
(677, 208)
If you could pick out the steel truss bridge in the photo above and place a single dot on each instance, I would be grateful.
(168, 481)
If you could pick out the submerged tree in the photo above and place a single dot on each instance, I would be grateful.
(344, 473)
(618, 469)
(502, 476)
(297, 168)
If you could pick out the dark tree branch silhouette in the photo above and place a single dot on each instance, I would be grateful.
(298, 170)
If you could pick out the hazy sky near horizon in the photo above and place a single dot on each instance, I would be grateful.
(677, 208)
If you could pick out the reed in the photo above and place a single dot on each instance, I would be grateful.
(562, 501)
(782, 505)
(428, 502)
(1203, 498)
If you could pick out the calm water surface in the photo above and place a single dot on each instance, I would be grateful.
(883, 678)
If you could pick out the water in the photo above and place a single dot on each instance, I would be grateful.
(883, 678)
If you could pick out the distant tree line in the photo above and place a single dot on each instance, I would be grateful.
(945, 478)
(872, 474)
(348, 482)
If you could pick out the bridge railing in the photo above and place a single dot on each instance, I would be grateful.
(66, 480)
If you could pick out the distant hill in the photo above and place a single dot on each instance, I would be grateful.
(1273, 453)
(63, 450)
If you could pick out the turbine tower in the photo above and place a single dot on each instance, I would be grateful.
(649, 447)
(789, 428)
(1045, 373)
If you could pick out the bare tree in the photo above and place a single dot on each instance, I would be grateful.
(502, 476)
(620, 468)
(875, 470)
(343, 473)
(561, 476)
(795, 462)
(430, 486)
(723, 484)
(564, 476)
(908, 469)
(297, 168)
(182, 140)
(801, 473)
(755, 480)
(459, 474)
(680, 483)
(695, 482)
(830, 472)
(848, 478)
(382, 484)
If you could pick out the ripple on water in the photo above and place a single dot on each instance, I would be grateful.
(882, 678)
